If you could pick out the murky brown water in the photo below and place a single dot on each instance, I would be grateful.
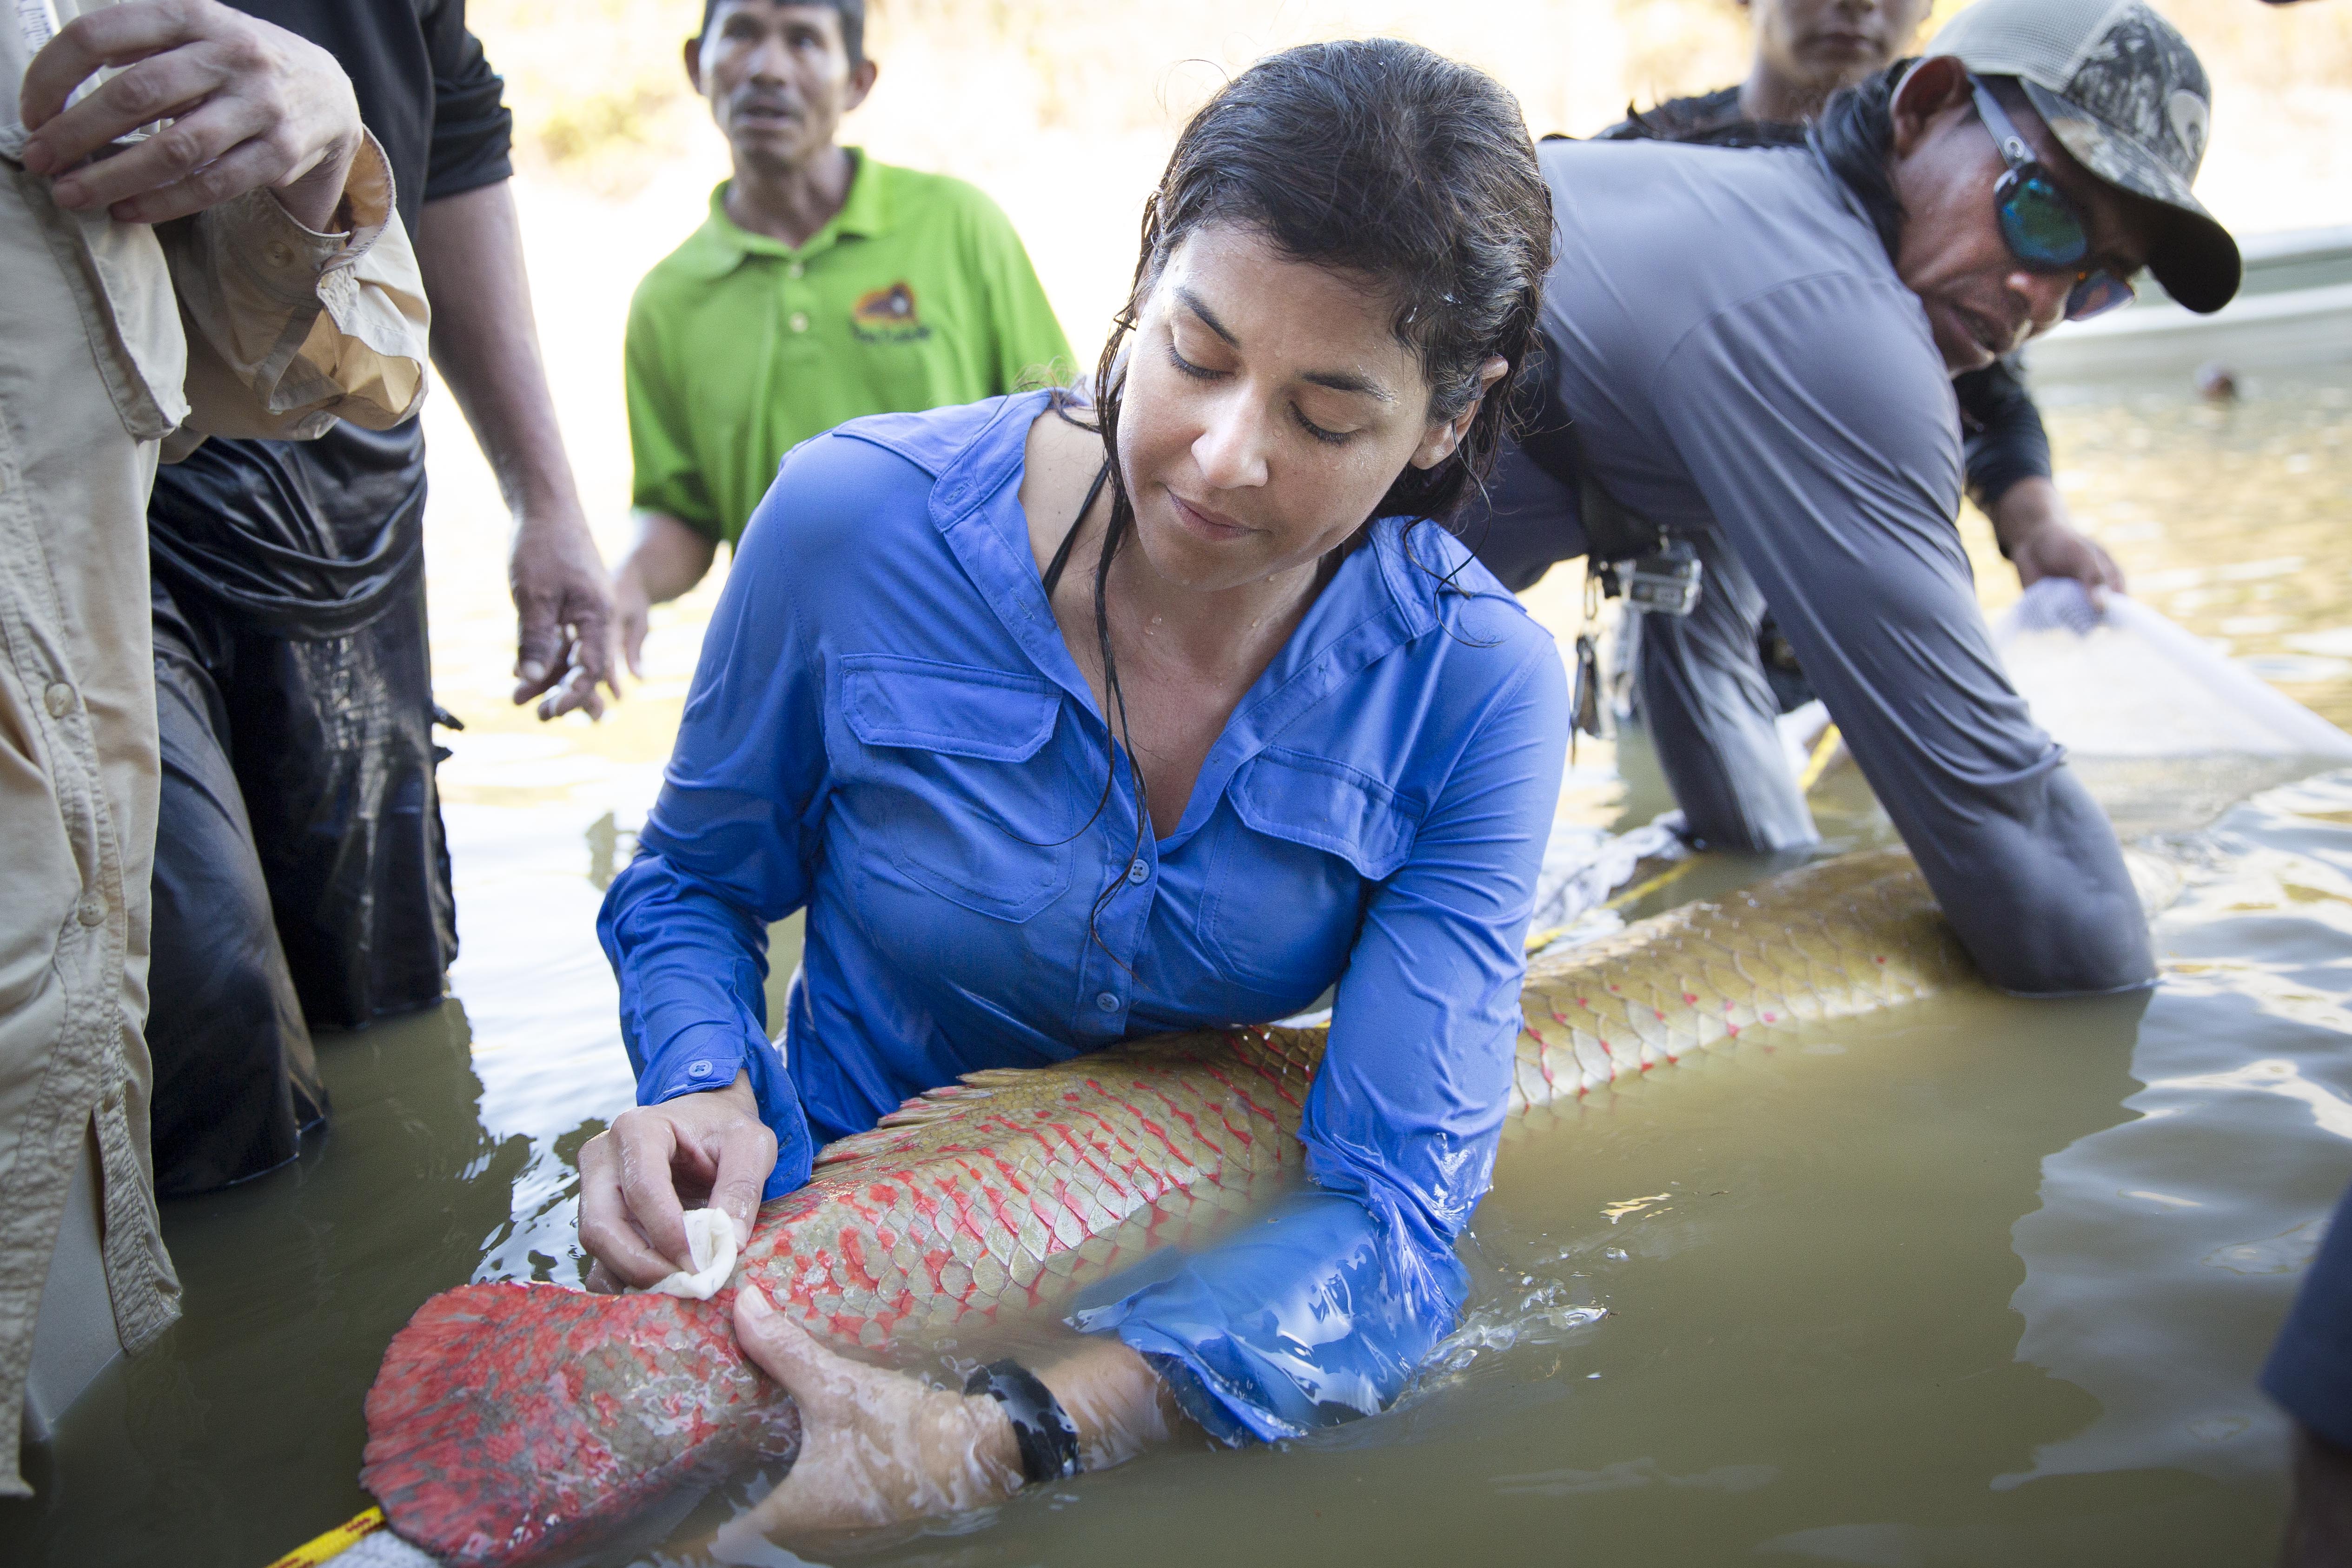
(1976, 1282)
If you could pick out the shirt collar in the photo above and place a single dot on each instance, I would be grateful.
(720, 247)
(1378, 601)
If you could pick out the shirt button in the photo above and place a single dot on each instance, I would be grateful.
(1137, 871)
(279, 253)
(1107, 1002)
(91, 910)
(58, 698)
(799, 322)
(797, 269)
(698, 1070)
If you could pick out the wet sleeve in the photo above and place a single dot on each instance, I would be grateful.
(1031, 350)
(1320, 1313)
(726, 849)
(2309, 1371)
(664, 474)
(473, 130)
(1826, 448)
(2005, 441)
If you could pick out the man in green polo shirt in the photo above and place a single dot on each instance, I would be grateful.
(825, 285)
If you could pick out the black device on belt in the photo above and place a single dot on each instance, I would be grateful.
(1625, 553)
(1048, 1440)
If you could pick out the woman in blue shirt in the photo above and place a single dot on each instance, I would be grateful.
(1071, 725)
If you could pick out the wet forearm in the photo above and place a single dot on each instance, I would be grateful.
(486, 344)
(2024, 510)
(1119, 1405)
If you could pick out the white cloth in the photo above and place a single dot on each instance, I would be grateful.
(1582, 866)
(710, 1236)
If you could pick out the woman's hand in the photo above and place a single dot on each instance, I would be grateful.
(637, 1176)
(881, 1448)
(251, 105)
(877, 1447)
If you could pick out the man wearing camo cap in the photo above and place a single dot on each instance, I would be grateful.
(1753, 349)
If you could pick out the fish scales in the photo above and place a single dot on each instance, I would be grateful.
(515, 1423)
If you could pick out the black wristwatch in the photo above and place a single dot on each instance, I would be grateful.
(1049, 1442)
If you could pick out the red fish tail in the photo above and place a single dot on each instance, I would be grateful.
(511, 1422)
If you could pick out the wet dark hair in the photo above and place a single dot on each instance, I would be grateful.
(1854, 134)
(1384, 161)
(1382, 158)
(851, 11)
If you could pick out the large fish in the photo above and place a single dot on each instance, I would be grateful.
(510, 1423)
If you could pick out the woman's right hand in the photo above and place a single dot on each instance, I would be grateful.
(638, 1177)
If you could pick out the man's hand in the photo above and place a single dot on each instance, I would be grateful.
(666, 561)
(876, 1446)
(637, 1176)
(250, 105)
(2031, 521)
(564, 614)
(633, 609)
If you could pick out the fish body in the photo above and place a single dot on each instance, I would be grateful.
(512, 1423)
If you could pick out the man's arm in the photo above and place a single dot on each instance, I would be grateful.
(2007, 456)
(485, 346)
(2035, 533)
(666, 561)
(1826, 451)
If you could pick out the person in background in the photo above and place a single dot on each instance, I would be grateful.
(826, 284)
(1806, 50)
(238, 272)
(301, 877)
(1753, 353)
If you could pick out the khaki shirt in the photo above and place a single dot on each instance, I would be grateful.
(124, 342)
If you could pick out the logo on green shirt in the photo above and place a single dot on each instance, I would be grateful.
(887, 316)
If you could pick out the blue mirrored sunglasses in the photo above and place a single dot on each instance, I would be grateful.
(2042, 227)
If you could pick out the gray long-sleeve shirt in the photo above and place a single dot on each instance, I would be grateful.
(1745, 367)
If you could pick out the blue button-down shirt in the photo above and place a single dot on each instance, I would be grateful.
(887, 729)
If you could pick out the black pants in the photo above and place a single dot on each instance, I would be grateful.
(301, 875)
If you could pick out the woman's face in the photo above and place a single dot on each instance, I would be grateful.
(1268, 407)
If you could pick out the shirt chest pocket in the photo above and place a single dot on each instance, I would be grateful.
(1308, 840)
(947, 781)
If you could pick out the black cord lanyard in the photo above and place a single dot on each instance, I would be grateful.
(1053, 577)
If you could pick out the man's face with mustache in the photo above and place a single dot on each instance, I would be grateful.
(779, 79)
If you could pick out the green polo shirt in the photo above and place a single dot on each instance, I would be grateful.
(917, 294)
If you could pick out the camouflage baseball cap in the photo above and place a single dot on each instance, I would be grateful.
(2123, 91)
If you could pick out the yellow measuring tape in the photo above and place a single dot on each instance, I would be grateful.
(336, 1542)
(1816, 765)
